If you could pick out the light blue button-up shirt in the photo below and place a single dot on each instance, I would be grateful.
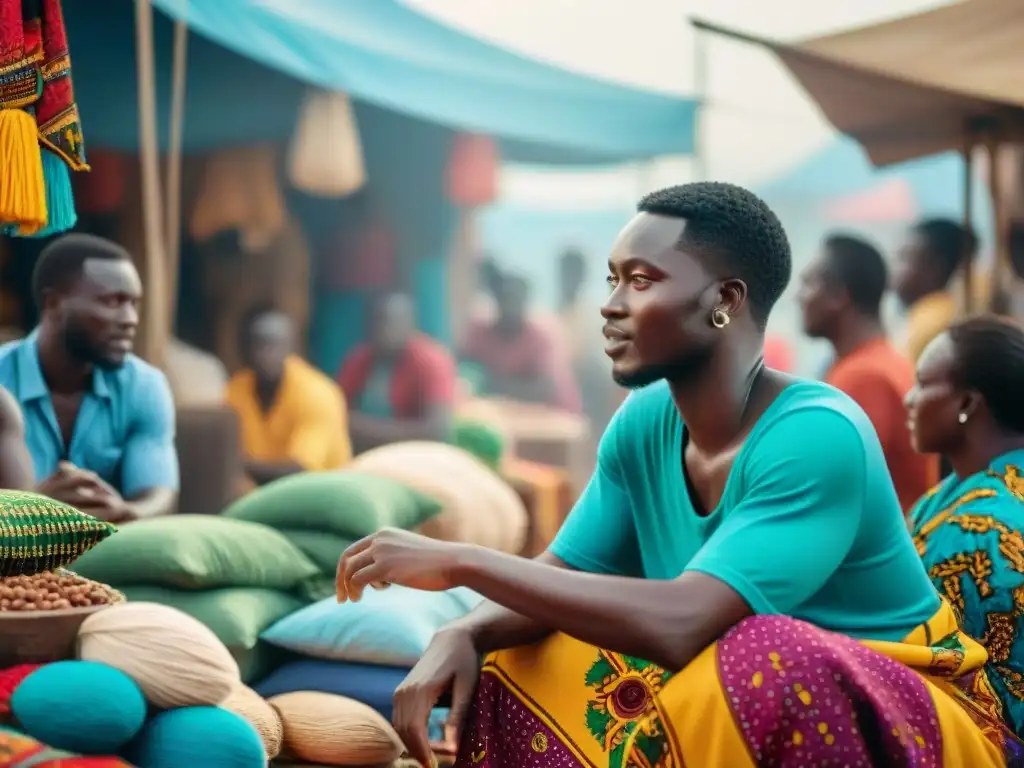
(125, 426)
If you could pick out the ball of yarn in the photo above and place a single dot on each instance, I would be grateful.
(80, 706)
(176, 660)
(334, 730)
(245, 702)
(198, 737)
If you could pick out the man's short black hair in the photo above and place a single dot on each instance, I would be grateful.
(856, 266)
(60, 264)
(949, 243)
(737, 226)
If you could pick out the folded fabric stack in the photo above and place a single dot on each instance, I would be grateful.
(478, 505)
(322, 513)
(236, 577)
(362, 651)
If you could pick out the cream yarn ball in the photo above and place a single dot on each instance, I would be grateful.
(326, 729)
(176, 660)
(248, 704)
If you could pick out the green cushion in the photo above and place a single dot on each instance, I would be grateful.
(39, 534)
(237, 616)
(197, 552)
(482, 440)
(324, 549)
(347, 504)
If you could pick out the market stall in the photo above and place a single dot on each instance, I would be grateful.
(885, 87)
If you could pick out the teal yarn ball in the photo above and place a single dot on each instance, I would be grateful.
(80, 706)
(198, 737)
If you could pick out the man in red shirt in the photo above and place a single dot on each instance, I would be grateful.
(841, 296)
(400, 385)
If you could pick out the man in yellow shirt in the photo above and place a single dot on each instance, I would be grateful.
(292, 416)
(924, 269)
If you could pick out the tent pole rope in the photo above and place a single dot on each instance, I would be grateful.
(179, 82)
(154, 330)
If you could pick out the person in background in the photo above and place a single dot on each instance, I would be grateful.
(778, 353)
(523, 359)
(581, 322)
(925, 267)
(400, 385)
(292, 416)
(735, 586)
(969, 531)
(15, 460)
(841, 298)
(99, 422)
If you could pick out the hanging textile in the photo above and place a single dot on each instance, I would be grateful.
(37, 107)
(326, 154)
(472, 178)
(240, 191)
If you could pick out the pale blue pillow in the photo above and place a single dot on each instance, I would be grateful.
(392, 626)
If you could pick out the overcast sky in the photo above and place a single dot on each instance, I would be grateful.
(759, 123)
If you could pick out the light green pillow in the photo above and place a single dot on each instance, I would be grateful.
(197, 552)
(348, 504)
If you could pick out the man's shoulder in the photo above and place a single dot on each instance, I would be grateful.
(8, 352)
(136, 377)
(813, 414)
(428, 351)
(641, 418)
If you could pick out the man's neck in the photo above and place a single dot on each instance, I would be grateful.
(62, 373)
(713, 401)
(854, 332)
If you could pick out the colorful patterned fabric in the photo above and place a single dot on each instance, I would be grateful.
(20, 751)
(21, 51)
(970, 535)
(60, 127)
(774, 691)
(39, 534)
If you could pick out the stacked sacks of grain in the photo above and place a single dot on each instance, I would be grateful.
(321, 513)
(478, 506)
(362, 650)
(237, 578)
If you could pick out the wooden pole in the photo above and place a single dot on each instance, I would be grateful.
(154, 315)
(179, 81)
(968, 268)
(1001, 263)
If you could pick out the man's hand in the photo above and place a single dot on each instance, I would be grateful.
(87, 492)
(392, 556)
(450, 663)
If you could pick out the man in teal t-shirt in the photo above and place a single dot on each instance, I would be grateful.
(723, 490)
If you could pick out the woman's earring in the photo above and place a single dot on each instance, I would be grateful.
(719, 318)
(962, 418)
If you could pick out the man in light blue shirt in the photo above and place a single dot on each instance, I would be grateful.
(99, 421)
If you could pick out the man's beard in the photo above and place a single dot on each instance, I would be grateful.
(685, 368)
(80, 348)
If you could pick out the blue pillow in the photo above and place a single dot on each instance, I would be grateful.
(392, 626)
(372, 685)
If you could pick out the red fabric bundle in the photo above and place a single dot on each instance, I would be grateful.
(10, 679)
(473, 170)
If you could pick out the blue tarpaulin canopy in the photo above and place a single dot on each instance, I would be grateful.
(842, 168)
(383, 53)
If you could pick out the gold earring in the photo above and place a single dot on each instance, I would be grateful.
(720, 318)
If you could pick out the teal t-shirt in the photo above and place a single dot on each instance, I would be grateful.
(809, 524)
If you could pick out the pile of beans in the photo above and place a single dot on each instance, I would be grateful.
(48, 591)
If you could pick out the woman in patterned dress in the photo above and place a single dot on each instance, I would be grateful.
(968, 404)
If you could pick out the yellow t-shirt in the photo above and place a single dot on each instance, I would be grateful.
(929, 317)
(307, 424)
